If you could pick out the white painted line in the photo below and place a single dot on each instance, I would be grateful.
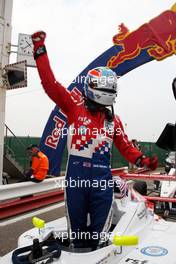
(31, 214)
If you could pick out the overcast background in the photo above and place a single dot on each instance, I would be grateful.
(77, 32)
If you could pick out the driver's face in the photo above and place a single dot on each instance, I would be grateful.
(32, 151)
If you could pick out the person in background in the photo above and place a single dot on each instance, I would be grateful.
(39, 165)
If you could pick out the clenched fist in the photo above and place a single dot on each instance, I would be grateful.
(38, 39)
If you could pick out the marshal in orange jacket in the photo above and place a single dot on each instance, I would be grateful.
(40, 166)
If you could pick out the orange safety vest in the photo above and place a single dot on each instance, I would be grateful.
(40, 166)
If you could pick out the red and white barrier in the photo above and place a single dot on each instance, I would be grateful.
(160, 199)
(151, 177)
(26, 204)
(26, 196)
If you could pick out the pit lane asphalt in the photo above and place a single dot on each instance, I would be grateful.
(9, 233)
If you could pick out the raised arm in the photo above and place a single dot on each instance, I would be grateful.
(58, 93)
(128, 151)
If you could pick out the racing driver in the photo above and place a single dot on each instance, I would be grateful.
(89, 152)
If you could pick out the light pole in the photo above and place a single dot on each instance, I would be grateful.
(5, 40)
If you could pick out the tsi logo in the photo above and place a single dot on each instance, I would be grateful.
(53, 139)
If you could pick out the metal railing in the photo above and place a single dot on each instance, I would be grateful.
(13, 146)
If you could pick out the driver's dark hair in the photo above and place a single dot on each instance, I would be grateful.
(94, 107)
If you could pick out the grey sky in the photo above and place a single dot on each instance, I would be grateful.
(77, 32)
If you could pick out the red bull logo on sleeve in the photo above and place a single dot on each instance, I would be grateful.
(158, 38)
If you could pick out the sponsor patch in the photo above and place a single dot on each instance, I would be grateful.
(154, 251)
(136, 261)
